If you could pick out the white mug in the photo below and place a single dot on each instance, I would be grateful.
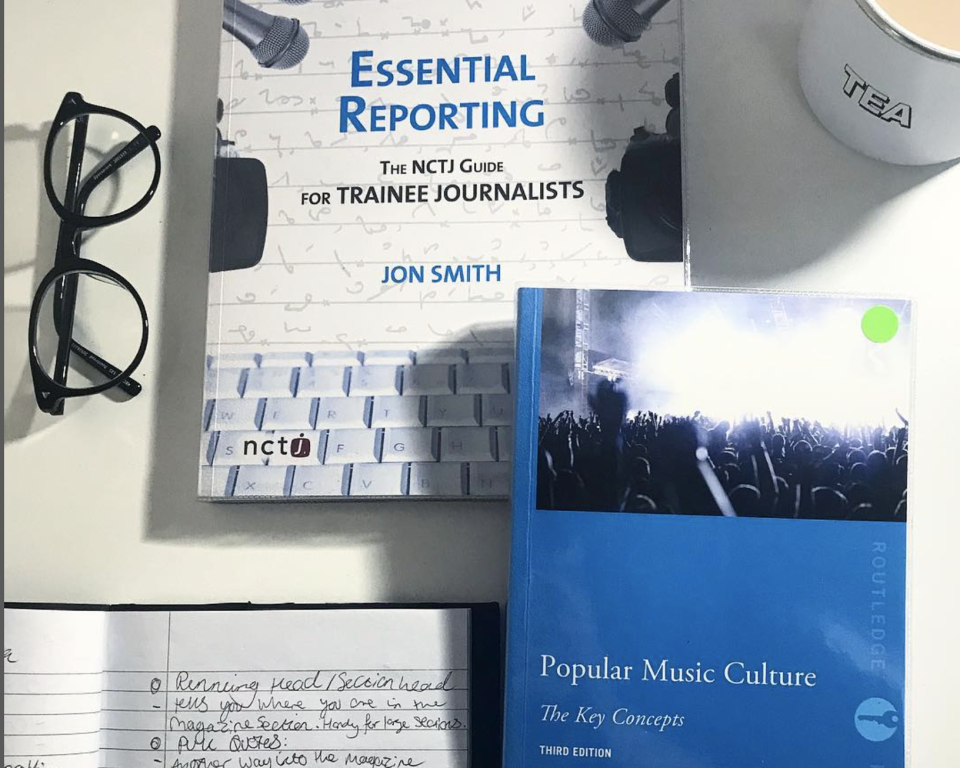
(877, 86)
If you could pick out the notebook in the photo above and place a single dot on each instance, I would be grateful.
(378, 201)
(245, 686)
(710, 527)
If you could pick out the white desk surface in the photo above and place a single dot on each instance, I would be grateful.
(99, 505)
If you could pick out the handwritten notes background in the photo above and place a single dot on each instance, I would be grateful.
(237, 689)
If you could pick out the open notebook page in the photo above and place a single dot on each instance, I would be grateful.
(237, 688)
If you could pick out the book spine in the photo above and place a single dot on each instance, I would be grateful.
(530, 302)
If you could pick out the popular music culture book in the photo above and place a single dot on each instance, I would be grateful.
(386, 174)
(709, 530)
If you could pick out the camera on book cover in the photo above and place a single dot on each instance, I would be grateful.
(644, 198)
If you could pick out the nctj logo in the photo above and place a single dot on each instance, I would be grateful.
(297, 447)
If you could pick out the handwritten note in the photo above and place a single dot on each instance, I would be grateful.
(237, 689)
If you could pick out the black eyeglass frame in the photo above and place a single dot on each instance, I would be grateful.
(51, 392)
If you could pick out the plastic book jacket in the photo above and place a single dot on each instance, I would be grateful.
(386, 174)
(710, 520)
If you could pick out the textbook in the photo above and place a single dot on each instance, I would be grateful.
(709, 530)
(386, 174)
(247, 686)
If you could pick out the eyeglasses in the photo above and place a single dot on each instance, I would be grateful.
(85, 315)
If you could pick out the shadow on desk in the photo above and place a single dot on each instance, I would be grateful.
(797, 194)
(24, 265)
(409, 543)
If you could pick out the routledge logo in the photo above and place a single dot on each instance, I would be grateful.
(877, 720)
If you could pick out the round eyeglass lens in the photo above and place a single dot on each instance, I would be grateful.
(106, 323)
(116, 165)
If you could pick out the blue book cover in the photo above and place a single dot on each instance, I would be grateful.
(709, 530)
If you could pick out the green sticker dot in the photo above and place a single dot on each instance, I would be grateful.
(880, 324)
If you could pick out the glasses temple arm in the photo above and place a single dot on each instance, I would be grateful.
(69, 236)
(65, 295)
(128, 386)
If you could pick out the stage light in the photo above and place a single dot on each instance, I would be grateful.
(814, 364)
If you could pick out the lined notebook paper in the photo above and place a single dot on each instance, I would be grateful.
(236, 687)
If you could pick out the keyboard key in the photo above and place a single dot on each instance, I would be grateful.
(232, 360)
(288, 413)
(345, 446)
(224, 382)
(261, 481)
(504, 443)
(496, 410)
(208, 445)
(233, 413)
(215, 482)
(336, 412)
(293, 447)
(238, 448)
(377, 479)
(436, 479)
(374, 380)
(284, 359)
(427, 380)
(269, 382)
(410, 444)
(453, 410)
(495, 354)
(396, 411)
(318, 481)
(336, 358)
(388, 357)
(488, 478)
(322, 382)
(441, 356)
(467, 444)
(479, 378)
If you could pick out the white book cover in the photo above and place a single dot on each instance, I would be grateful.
(388, 172)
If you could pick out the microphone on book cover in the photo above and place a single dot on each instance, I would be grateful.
(276, 42)
(615, 22)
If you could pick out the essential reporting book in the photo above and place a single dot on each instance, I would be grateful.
(376, 203)
(709, 530)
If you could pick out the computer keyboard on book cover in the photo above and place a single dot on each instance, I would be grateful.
(358, 424)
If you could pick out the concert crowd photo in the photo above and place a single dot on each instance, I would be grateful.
(716, 404)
